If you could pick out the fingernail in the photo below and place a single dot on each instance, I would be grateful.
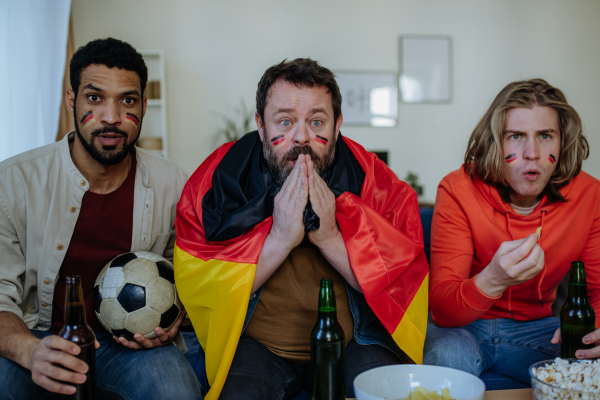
(579, 354)
(71, 389)
(586, 339)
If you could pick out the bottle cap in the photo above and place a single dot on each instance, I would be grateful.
(72, 279)
(326, 283)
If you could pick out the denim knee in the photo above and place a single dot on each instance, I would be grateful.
(452, 347)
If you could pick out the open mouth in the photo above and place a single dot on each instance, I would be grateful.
(532, 175)
(109, 139)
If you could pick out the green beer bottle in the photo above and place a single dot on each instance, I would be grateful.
(77, 331)
(327, 346)
(577, 317)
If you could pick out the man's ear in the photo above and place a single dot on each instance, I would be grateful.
(260, 126)
(338, 125)
(70, 101)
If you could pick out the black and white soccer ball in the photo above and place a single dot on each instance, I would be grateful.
(135, 293)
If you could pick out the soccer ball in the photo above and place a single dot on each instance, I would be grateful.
(135, 293)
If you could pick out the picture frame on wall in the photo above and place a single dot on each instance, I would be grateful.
(425, 69)
(369, 98)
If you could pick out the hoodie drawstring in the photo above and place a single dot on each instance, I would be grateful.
(544, 268)
(512, 239)
(506, 214)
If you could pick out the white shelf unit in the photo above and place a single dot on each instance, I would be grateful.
(155, 120)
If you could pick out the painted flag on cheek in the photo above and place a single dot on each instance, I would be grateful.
(88, 119)
(277, 141)
(551, 159)
(510, 158)
(132, 119)
(321, 142)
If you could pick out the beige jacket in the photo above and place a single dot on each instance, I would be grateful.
(40, 197)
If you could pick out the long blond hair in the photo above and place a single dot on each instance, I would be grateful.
(485, 152)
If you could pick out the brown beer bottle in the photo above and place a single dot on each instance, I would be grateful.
(577, 317)
(77, 331)
(327, 348)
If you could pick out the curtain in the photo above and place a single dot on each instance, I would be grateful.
(65, 122)
(33, 37)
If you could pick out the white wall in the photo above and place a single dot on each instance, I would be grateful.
(217, 50)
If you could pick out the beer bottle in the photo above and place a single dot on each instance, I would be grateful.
(77, 331)
(577, 317)
(327, 348)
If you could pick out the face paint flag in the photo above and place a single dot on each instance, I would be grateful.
(551, 159)
(511, 157)
(88, 119)
(132, 119)
(277, 141)
(214, 278)
(321, 141)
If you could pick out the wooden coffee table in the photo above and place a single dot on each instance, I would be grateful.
(513, 394)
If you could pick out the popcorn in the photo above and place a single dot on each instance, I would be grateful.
(566, 380)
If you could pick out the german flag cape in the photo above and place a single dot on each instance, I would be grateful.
(229, 199)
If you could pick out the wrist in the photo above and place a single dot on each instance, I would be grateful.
(25, 357)
(275, 240)
(487, 286)
(326, 239)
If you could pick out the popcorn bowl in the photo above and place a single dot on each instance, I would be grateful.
(567, 378)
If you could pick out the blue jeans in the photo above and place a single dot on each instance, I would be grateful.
(499, 351)
(121, 374)
(257, 373)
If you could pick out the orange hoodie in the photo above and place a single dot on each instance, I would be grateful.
(470, 221)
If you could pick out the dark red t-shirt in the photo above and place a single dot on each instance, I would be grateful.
(103, 231)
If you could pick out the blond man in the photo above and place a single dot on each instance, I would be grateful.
(505, 229)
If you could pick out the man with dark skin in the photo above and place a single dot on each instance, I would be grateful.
(93, 196)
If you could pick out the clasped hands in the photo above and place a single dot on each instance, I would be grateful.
(304, 184)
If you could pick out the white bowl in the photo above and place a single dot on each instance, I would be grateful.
(397, 381)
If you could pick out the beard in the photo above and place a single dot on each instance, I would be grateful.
(108, 155)
(281, 169)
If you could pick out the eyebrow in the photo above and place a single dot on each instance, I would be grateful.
(542, 131)
(90, 86)
(290, 110)
(130, 92)
(284, 110)
(318, 110)
(127, 93)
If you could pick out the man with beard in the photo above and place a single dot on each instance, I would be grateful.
(67, 209)
(264, 219)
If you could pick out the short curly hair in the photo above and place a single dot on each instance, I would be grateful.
(484, 156)
(302, 72)
(110, 52)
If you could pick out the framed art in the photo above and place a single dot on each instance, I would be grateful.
(369, 98)
(425, 69)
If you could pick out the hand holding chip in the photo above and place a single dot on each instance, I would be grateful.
(515, 262)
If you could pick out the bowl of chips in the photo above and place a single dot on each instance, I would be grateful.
(417, 382)
(566, 378)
